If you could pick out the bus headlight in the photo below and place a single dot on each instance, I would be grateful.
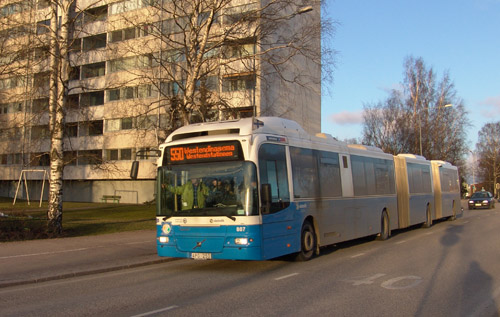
(166, 228)
(242, 241)
(164, 239)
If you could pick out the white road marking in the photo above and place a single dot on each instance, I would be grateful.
(286, 276)
(365, 280)
(357, 255)
(401, 242)
(156, 311)
(389, 284)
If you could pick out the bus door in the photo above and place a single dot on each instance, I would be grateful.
(277, 216)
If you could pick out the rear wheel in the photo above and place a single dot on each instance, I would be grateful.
(454, 215)
(428, 218)
(307, 242)
(385, 230)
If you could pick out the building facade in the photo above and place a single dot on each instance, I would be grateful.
(139, 69)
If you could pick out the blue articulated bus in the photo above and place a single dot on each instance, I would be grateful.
(260, 188)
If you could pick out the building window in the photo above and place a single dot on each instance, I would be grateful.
(75, 45)
(12, 8)
(127, 123)
(142, 122)
(11, 159)
(147, 122)
(239, 49)
(124, 93)
(41, 79)
(91, 128)
(89, 157)
(98, 14)
(11, 107)
(71, 129)
(70, 157)
(171, 88)
(12, 82)
(238, 83)
(72, 102)
(241, 14)
(94, 98)
(112, 155)
(94, 42)
(119, 154)
(126, 154)
(74, 73)
(14, 32)
(40, 132)
(43, 27)
(129, 33)
(93, 70)
(133, 62)
(129, 5)
(40, 105)
(42, 53)
(40, 159)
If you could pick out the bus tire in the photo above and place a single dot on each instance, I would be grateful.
(454, 213)
(428, 218)
(385, 230)
(307, 242)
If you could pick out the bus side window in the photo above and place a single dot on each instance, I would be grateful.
(273, 171)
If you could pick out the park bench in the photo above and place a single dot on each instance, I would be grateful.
(115, 199)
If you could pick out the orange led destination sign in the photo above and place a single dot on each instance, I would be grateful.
(203, 152)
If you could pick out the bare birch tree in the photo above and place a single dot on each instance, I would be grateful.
(488, 155)
(424, 117)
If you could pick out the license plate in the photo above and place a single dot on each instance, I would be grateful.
(478, 205)
(201, 256)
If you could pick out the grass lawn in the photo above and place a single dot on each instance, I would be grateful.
(79, 219)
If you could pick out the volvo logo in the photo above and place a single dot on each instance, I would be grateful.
(198, 244)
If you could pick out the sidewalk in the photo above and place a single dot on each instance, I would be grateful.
(35, 261)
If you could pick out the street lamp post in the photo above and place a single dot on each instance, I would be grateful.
(420, 123)
(473, 166)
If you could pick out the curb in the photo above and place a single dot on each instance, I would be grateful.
(84, 273)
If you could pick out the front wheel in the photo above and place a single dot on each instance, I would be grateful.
(307, 242)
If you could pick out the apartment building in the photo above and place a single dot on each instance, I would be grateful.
(130, 67)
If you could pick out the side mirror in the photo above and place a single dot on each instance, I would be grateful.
(266, 198)
(134, 170)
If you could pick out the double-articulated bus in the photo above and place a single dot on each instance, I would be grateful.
(259, 188)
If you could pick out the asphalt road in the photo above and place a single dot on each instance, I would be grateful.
(450, 269)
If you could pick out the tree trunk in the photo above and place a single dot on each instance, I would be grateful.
(57, 100)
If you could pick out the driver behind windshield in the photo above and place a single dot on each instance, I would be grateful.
(193, 193)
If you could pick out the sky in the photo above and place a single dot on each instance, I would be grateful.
(373, 38)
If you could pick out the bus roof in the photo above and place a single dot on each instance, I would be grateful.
(413, 156)
(248, 126)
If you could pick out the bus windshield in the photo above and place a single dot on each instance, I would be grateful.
(210, 189)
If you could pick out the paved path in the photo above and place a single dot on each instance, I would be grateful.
(35, 261)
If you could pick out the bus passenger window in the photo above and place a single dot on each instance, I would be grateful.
(273, 172)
